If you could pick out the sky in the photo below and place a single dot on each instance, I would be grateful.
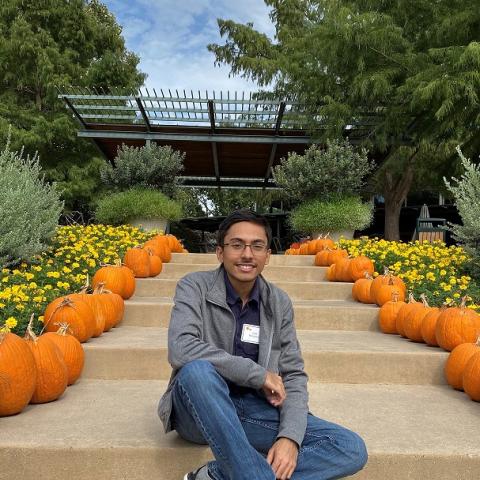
(171, 38)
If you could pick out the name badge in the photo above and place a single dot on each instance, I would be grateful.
(250, 333)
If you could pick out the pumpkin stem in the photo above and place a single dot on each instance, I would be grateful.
(62, 329)
(66, 302)
(395, 297)
(463, 304)
(411, 298)
(424, 300)
(29, 333)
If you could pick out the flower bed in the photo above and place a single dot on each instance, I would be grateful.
(76, 252)
(429, 268)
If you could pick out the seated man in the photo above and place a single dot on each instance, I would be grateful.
(238, 380)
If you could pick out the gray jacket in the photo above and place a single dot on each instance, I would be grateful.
(202, 327)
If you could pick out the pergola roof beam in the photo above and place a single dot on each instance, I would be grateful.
(144, 115)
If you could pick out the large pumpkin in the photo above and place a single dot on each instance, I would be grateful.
(342, 271)
(361, 290)
(331, 276)
(471, 377)
(155, 263)
(321, 258)
(429, 325)
(412, 324)
(405, 310)
(457, 362)
(117, 278)
(71, 350)
(385, 280)
(336, 255)
(75, 312)
(52, 374)
(159, 248)
(138, 261)
(387, 317)
(457, 325)
(385, 292)
(18, 374)
(359, 266)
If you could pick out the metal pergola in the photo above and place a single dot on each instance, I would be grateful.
(230, 139)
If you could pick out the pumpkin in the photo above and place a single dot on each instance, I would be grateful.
(173, 243)
(303, 250)
(312, 248)
(385, 280)
(457, 362)
(336, 255)
(412, 324)
(361, 289)
(385, 292)
(331, 276)
(104, 307)
(342, 270)
(457, 325)
(138, 261)
(18, 374)
(387, 317)
(359, 266)
(405, 310)
(324, 243)
(71, 350)
(429, 324)
(73, 310)
(156, 265)
(159, 248)
(117, 278)
(471, 377)
(52, 374)
(321, 258)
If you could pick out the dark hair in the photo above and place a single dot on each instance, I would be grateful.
(243, 215)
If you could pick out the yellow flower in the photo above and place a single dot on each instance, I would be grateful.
(53, 274)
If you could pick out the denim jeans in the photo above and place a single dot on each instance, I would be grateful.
(241, 428)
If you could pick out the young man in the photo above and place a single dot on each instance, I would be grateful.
(238, 381)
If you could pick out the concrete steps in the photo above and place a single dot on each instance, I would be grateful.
(109, 430)
(388, 389)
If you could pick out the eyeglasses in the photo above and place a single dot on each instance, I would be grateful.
(256, 247)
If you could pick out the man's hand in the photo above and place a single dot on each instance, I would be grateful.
(283, 458)
(274, 389)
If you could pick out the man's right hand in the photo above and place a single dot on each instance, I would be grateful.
(274, 389)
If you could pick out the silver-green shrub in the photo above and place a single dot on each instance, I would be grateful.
(338, 170)
(29, 208)
(466, 193)
(149, 166)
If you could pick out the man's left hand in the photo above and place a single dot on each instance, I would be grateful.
(283, 458)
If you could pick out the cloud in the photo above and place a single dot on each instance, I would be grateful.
(171, 38)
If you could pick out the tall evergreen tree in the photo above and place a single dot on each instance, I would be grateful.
(408, 68)
(50, 44)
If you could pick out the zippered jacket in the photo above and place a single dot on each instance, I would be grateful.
(202, 327)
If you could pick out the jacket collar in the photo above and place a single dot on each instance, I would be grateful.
(217, 291)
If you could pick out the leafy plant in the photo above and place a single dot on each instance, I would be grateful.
(336, 171)
(347, 213)
(29, 206)
(148, 166)
(466, 193)
(121, 207)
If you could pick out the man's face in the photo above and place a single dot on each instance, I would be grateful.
(244, 264)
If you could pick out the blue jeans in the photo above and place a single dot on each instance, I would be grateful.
(241, 428)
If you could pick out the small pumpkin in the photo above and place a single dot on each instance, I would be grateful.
(117, 278)
(321, 258)
(155, 263)
(457, 362)
(18, 374)
(52, 374)
(387, 317)
(331, 276)
(71, 350)
(471, 377)
(138, 261)
(359, 266)
(412, 324)
(405, 310)
(429, 324)
(342, 270)
(336, 255)
(385, 292)
(361, 290)
(385, 280)
(303, 250)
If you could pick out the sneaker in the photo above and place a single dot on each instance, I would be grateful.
(200, 474)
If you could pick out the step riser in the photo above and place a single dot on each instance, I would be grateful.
(155, 287)
(271, 273)
(196, 258)
(306, 318)
(172, 464)
(326, 367)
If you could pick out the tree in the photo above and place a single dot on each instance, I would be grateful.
(51, 44)
(405, 75)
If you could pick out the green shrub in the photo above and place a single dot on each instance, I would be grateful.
(337, 171)
(347, 213)
(150, 166)
(121, 207)
(29, 208)
(466, 193)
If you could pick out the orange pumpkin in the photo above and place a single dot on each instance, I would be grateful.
(412, 324)
(361, 290)
(385, 280)
(457, 362)
(336, 255)
(74, 311)
(471, 377)
(321, 258)
(429, 324)
(457, 325)
(312, 248)
(71, 350)
(324, 243)
(331, 276)
(160, 248)
(405, 310)
(386, 291)
(138, 261)
(303, 250)
(359, 266)
(117, 278)
(342, 271)
(18, 374)
(52, 374)
(387, 317)
(155, 263)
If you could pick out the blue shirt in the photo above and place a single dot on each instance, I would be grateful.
(248, 314)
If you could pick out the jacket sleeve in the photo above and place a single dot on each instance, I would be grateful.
(185, 342)
(294, 410)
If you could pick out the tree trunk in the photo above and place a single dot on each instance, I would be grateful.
(395, 193)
